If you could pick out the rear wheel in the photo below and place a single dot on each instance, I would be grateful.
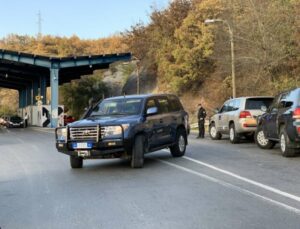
(233, 136)
(261, 140)
(138, 150)
(284, 144)
(178, 149)
(76, 162)
(213, 133)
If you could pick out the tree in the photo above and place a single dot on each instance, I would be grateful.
(76, 95)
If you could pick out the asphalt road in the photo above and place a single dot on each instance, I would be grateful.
(216, 185)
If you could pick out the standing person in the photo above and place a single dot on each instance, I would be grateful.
(26, 119)
(201, 121)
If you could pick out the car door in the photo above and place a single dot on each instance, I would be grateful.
(287, 101)
(221, 118)
(152, 123)
(176, 115)
(229, 114)
(270, 127)
(165, 121)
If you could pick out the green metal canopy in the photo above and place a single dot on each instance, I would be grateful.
(32, 74)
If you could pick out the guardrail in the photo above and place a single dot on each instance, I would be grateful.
(195, 125)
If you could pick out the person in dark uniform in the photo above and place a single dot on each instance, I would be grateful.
(201, 121)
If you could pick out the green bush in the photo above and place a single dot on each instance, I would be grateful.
(76, 95)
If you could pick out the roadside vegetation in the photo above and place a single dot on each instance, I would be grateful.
(187, 57)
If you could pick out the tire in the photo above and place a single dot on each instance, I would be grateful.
(261, 141)
(178, 149)
(213, 133)
(76, 162)
(138, 150)
(233, 136)
(284, 141)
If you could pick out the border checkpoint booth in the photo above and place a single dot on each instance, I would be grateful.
(31, 74)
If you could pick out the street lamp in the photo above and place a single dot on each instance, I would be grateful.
(137, 74)
(208, 21)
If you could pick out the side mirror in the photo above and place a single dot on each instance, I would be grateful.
(288, 104)
(263, 108)
(152, 111)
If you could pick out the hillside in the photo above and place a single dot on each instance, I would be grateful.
(181, 54)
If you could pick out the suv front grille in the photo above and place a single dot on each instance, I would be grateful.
(85, 133)
(102, 131)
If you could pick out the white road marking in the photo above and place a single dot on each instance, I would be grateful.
(258, 184)
(234, 187)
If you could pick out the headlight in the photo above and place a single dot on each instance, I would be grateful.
(61, 134)
(113, 131)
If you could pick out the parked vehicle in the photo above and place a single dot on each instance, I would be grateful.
(127, 127)
(15, 121)
(281, 123)
(237, 117)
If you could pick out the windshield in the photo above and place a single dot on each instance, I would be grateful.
(15, 119)
(257, 103)
(118, 107)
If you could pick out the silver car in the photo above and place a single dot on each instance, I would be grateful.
(237, 117)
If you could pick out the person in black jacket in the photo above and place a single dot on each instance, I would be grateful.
(201, 121)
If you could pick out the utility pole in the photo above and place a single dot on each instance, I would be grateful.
(232, 63)
(137, 62)
(39, 35)
(138, 77)
(208, 21)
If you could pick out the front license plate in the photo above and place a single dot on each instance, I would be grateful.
(83, 153)
(82, 145)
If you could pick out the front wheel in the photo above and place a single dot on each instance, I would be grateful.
(76, 162)
(284, 144)
(138, 150)
(261, 141)
(178, 149)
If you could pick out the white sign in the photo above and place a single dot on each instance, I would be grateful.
(54, 113)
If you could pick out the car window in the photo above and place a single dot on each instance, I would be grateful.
(230, 105)
(237, 104)
(257, 103)
(163, 104)
(233, 105)
(150, 103)
(174, 104)
(288, 99)
(274, 104)
(224, 108)
(118, 107)
(16, 119)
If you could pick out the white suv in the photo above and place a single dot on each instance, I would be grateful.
(237, 117)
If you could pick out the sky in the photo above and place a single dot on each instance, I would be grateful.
(88, 19)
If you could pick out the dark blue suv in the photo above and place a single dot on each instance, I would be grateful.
(281, 123)
(126, 127)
